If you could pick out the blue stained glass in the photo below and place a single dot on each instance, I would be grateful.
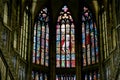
(38, 40)
(72, 31)
(58, 37)
(68, 57)
(58, 57)
(73, 56)
(38, 46)
(33, 75)
(63, 57)
(38, 54)
(34, 39)
(38, 34)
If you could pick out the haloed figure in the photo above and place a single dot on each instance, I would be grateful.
(65, 44)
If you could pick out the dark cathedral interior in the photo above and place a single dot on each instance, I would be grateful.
(59, 40)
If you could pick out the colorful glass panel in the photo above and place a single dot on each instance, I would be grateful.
(37, 75)
(89, 38)
(41, 39)
(92, 76)
(65, 40)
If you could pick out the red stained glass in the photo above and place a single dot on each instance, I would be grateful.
(73, 63)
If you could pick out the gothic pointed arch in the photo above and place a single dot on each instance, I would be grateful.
(89, 45)
(65, 40)
(65, 44)
(40, 51)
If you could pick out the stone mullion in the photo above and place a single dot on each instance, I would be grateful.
(52, 53)
(78, 38)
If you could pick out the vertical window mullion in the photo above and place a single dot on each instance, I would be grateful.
(36, 43)
(44, 44)
(41, 42)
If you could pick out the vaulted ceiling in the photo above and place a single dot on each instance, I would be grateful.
(56, 5)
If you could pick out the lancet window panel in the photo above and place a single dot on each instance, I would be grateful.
(92, 75)
(37, 75)
(41, 39)
(65, 40)
(89, 38)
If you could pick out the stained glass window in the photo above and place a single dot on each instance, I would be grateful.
(41, 38)
(92, 76)
(37, 75)
(65, 77)
(89, 38)
(65, 40)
